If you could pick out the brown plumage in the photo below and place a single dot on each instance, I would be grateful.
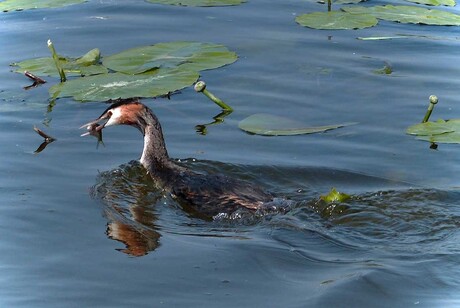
(207, 194)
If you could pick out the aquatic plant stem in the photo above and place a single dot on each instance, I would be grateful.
(329, 5)
(433, 101)
(200, 86)
(56, 61)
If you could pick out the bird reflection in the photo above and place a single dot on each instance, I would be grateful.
(139, 235)
(129, 200)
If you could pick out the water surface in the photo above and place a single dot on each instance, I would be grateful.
(64, 211)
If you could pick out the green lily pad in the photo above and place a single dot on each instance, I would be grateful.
(199, 2)
(88, 64)
(435, 2)
(407, 14)
(271, 125)
(434, 128)
(18, 5)
(336, 20)
(193, 56)
(117, 85)
(335, 196)
(440, 131)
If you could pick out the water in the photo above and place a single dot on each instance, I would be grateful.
(67, 227)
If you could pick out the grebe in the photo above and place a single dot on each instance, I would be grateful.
(207, 194)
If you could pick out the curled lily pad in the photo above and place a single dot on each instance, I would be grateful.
(435, 2)
(199, 2)
(194, 56)
(271, 125)
(336, 20)
(88, 64)
(407, 14)
(17, 5)
(335, 196)
(117, 85)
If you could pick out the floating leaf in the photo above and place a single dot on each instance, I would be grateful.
(385, 70)
(192, 56)
(271, 125)
(435, 2)
(407, 14)
(199, 2)
(453, 137)
(440, 131)
(434, 128)
(335, 196)
(117, 85)
(336, 20)
(347, 1)
(82, 66)
(17, 5)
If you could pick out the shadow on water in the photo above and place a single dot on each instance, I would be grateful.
(381, 212)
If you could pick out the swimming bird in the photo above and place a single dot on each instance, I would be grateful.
(207, 194)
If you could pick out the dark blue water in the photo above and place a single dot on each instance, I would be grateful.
(82, 226)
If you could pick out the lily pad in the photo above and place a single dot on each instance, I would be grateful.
(18, 5)
(117, 85)
(434, 128)
(435, 2)
(335, 196)
(336, 20)
(407, 14)
(88, 64)
(440, 131)
(271, 125)
(193, 56)
(199, 2)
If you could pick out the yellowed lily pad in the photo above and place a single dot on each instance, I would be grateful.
(335, 196)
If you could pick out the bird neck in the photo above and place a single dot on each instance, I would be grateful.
(154, 156)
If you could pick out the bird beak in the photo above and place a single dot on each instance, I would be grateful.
(93, 127)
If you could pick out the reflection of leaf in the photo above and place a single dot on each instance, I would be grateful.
(112, 86)
(336, 20)
(186, 55)
(271, 125)
(435, 2)
(199, 2)
(10, 5)
(440, 131)
(85, 65)
(407, 14)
